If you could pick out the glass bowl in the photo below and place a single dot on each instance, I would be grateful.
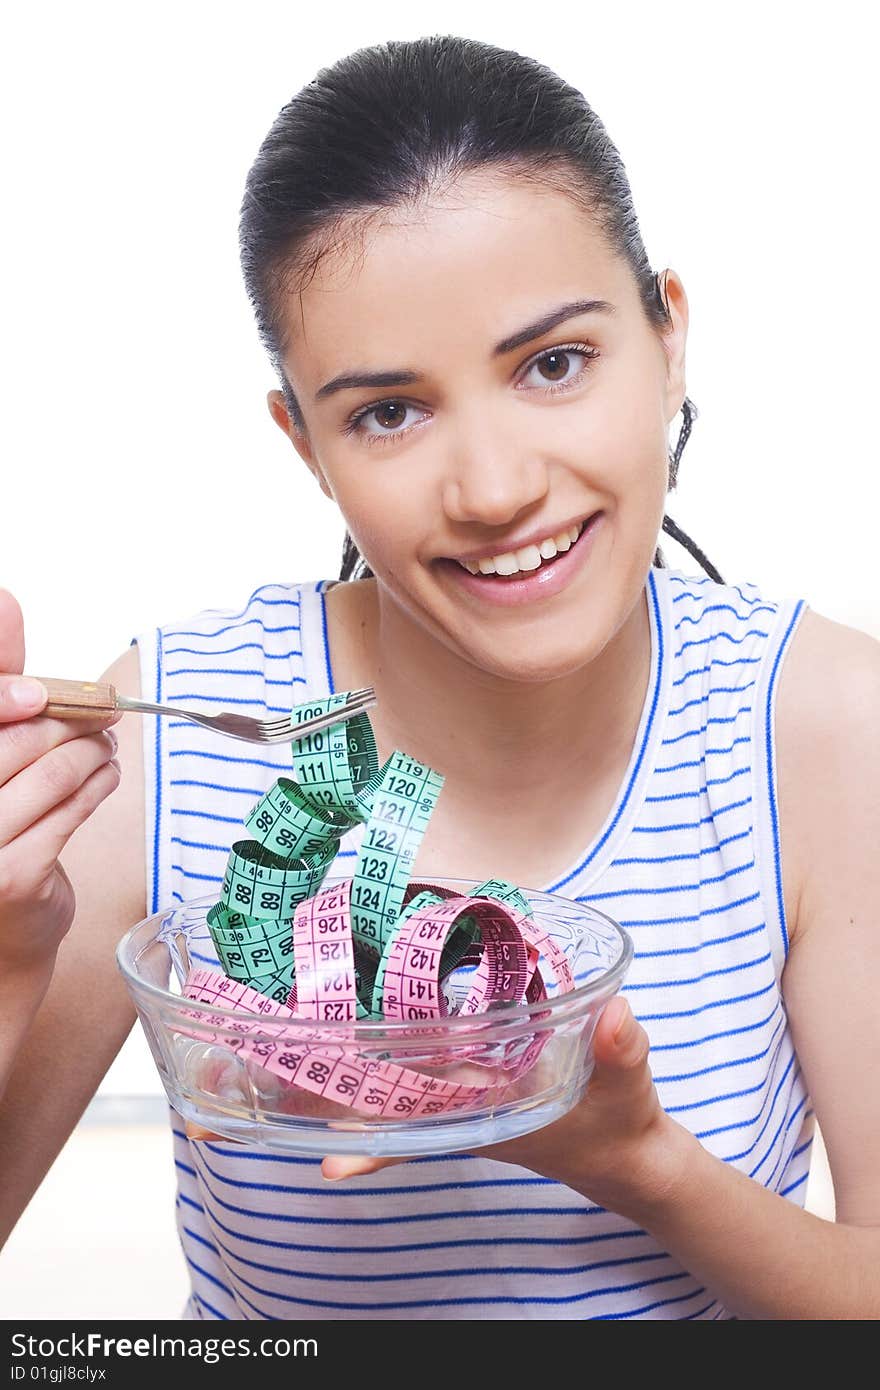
(517, 1066)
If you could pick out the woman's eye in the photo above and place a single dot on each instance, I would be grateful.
(558, 367)
(388, 417)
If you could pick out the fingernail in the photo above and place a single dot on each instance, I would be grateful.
(623, 1021)
(114, 741)
(27, 693)
(343, 1170)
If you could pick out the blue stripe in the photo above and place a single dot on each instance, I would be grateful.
(157, 833)
(657, 629)
(690, 579)
(689, 917)
(191, 873)
(691, 1317)
(194, 1235)
(792, 1185)
(416, 1218)
(205, 1275)
(717, 636)
(256, 597)
(808, 1143)
(463, 1302)
(690, 825)
(753, 1119)
(716, 690)
(676, 767)
(226, 700)
(717, 719)
(230, 627)
(673, 887)
(714, 1100)
(785, 1123)
(710, 782)
(719, 1066)
(217, 786)
(711, 1004)
(726, 608)
(206, 815)
(650, 1307)
(771, 772)
(280, 768)
(678, 858)
(228, 651)
(215, 671)
(220, 671)
(203, 1303)
(661, 985)
(195, 844)
(716, 1037)
(463, 1272)
(334, 1192)
(702, 945)
(421, 1246)
(716, 661)
(330, 683)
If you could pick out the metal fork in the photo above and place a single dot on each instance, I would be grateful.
(83, 700)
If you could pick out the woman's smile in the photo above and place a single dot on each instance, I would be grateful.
(537, 576)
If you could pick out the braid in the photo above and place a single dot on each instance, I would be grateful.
(689, 412)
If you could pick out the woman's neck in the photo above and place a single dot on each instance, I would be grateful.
(491, 738)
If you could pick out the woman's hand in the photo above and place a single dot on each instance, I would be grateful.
(53, 774)
(617, 1146)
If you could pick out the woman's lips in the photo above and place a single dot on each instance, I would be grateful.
(526, 587)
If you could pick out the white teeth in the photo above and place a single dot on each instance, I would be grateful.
(527, 559)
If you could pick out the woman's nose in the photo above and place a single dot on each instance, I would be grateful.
(491, 476)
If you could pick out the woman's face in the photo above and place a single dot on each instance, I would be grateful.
(458, 404)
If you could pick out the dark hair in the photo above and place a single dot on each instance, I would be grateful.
(385, 125)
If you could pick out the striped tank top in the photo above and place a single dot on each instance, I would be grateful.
(688, 861)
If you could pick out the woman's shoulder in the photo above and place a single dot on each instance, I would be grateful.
(827, 739)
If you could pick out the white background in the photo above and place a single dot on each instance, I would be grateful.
(134, 427)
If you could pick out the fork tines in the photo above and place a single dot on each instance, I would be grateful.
(358, 702)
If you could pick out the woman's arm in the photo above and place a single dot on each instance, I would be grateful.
(86, 1013)
(761, 1255)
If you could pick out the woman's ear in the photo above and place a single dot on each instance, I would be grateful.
(298, 437)
(674, 339)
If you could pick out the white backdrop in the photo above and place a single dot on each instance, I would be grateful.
(134, 424)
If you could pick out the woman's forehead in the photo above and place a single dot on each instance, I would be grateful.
(479, 259)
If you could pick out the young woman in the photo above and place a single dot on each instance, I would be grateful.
(479, 366)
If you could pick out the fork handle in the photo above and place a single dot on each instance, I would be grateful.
(79, 699)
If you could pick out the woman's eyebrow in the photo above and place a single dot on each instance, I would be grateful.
(405, 376)
(560, 314)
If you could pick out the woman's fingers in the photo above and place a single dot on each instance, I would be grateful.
(27, 860)
(620, 1045)
(21, 697)
(197, 1132)
(11, 633)
(51, 780)
(336, 1166)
